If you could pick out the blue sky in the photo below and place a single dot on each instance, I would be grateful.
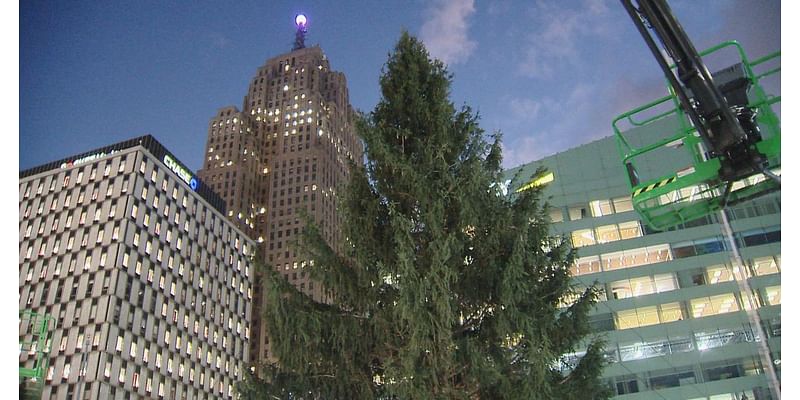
(550, 75)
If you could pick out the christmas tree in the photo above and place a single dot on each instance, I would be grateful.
(447, 288)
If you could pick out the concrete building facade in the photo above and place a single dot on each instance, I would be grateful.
(148, 282)
(674, 319)
(284, 154)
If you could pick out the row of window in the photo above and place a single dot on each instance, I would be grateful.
(121, 375)
(595, 208)
(198, 252)
(606, 234)
(190, 308)
(660, 283)
(691, 375)
(631, 229)
(682, 343)
(660, 253)
(204, 216)
(695, 308)
(205, 313)
(75, 177)
(600, 208)
(120, 185)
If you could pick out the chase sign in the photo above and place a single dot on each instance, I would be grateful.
(182, 172)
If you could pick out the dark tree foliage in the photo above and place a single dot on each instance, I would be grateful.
(445, 288)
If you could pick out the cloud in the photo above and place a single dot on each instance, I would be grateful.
(557, 31)
(445, 30)
(524, 109)
(541, 137)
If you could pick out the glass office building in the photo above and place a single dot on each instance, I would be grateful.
(674, 318)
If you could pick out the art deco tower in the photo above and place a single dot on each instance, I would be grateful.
(285, 151)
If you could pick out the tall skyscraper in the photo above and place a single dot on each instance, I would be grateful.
(675, 321)
(147, 282)
(287, 150)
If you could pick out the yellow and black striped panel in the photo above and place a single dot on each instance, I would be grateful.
(654, 186)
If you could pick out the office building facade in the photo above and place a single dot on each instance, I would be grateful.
(148, 283)
(674, 319)
(285, 153)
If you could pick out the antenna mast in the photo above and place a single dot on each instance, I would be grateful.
(301, 22)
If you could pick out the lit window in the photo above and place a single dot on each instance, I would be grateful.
(629, 230)
(135, 380)
(671, 312)
(632, 287)
(600, 208)
(773, 295)
(623, 204)
(713, 305)
(577, 212)
(765, 266)
(637, 317)
(719, 273)
(665, 282)
(607, 233)
(556, 215)
(583, 237)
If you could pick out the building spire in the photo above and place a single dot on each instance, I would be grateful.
(300, 36)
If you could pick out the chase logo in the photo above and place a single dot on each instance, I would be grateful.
(183, 173)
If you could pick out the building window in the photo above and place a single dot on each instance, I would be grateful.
(773, 295)
(629, 230)
(600, 208)
(607, 233)
(765, 266)
(713, 305)
(644, 285)
(583, 237)
(577, 211)
(646, 316)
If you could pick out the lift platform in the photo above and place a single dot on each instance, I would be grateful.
(668, 195)
(34, 332)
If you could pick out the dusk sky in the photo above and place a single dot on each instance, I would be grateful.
(550, 75)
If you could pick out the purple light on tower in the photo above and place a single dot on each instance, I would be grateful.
(300, 36)
(300, 20)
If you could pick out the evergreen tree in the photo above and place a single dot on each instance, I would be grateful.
(446, 288)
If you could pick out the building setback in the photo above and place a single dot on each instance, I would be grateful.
(286, 152)
(148, 282)
(674, 318)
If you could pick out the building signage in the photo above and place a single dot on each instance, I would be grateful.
(538, 181)
(182, 172)
(86, 159)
